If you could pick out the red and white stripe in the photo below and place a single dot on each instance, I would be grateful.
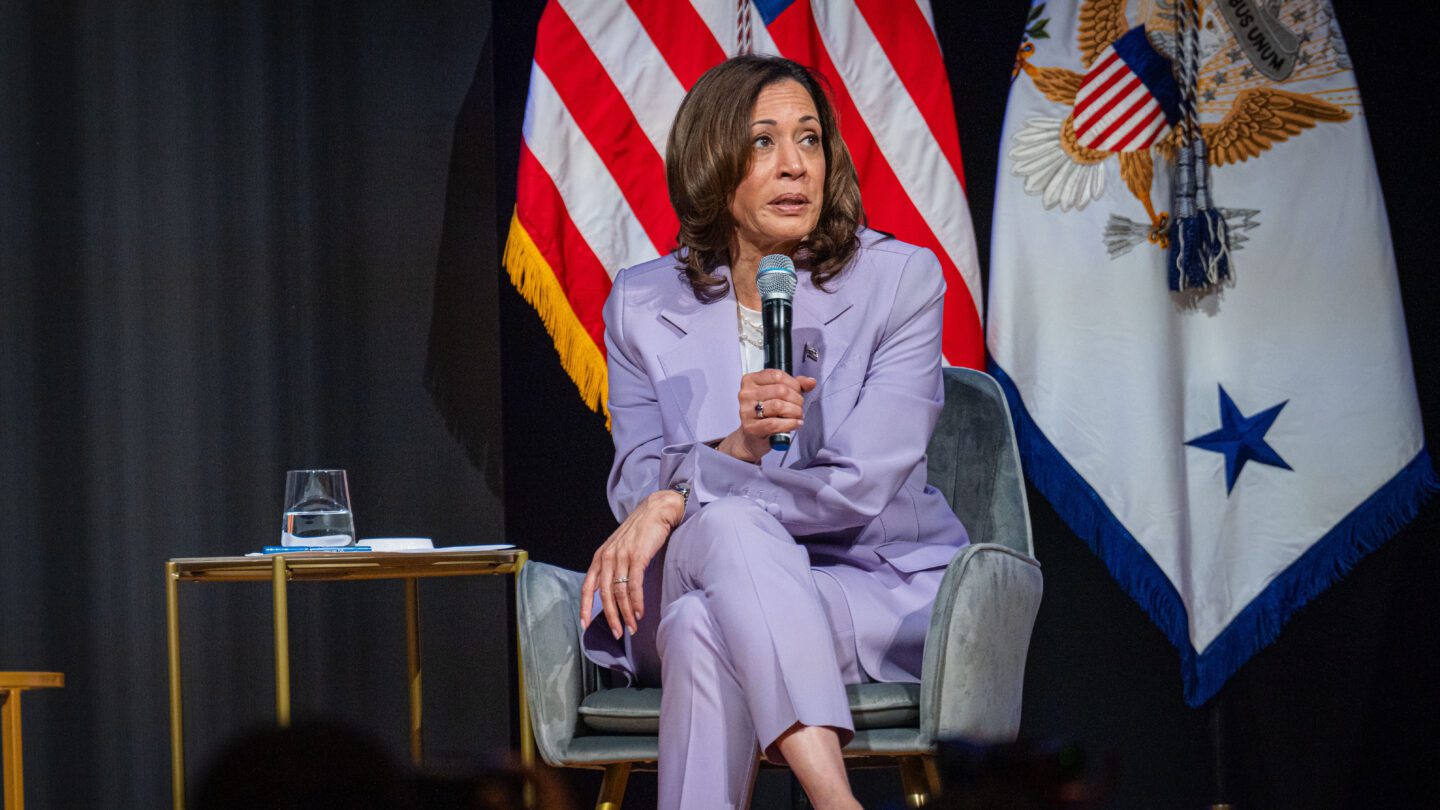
(1114, 111)
(610, 74)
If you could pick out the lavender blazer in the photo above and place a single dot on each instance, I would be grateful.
(852, 488)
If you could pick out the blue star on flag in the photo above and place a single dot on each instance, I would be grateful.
(1241, 439)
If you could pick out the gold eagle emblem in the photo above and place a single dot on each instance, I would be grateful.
(1065, 173)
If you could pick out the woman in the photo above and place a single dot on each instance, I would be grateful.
(754, 585)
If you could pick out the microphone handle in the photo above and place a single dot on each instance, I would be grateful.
(777, 351)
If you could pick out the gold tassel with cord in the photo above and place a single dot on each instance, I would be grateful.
(536, 282)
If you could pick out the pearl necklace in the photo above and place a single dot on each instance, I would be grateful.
(752, 332)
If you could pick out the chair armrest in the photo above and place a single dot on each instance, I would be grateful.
(557, 674)
(975, 649)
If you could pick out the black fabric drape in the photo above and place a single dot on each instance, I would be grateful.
(462, 370)
(218, 231)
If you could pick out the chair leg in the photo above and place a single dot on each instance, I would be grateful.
(612, 787)
(915, 782)
(932, 775)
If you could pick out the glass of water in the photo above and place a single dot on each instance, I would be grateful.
(317, 509)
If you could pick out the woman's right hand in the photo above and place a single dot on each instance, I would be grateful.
(781, 400)
(617, 571)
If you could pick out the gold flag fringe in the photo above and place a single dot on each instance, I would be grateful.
(536, 282)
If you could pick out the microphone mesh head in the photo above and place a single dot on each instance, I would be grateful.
(776, 278)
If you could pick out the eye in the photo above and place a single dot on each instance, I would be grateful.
(811, 139)
(763, 141)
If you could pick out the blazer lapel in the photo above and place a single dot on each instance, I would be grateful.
(818, 336)
(820, 340)
(702, 369)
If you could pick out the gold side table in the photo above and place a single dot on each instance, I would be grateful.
(279, 570)
(12, 684)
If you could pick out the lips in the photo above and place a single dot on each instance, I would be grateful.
(790, 203)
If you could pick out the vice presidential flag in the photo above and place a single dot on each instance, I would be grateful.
(607, 79)
(1227, 453)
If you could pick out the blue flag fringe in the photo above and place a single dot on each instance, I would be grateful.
(1365, 529)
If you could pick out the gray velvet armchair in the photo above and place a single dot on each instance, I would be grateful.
(975, 649)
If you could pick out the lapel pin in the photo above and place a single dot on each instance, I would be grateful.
(811, 353)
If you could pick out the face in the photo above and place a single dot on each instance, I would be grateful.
(778, 202)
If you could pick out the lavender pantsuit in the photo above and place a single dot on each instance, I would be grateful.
(815, 568)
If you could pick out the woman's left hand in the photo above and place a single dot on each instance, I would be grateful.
(617, 570)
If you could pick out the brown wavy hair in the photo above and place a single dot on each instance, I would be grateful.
(708, 155)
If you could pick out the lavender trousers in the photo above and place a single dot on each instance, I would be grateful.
(747, 640)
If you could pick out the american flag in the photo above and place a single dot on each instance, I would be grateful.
(607, 79)
(1128, 99)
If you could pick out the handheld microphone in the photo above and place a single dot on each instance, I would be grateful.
(776, 280)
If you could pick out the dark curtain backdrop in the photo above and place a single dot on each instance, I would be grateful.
(219, 226)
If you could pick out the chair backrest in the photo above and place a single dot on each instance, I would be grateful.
(974, 461)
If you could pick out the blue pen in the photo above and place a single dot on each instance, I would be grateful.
(290, 549)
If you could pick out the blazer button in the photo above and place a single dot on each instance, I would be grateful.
(772, 508)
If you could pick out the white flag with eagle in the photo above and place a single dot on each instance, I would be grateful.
(1228, 449)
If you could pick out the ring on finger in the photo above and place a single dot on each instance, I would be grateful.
(759, 409)
(621, 580)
